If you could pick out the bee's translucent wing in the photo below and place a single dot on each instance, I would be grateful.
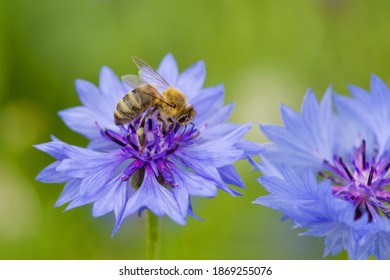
(149, 75)
(149, 89)
(133, 81)
(140, 86)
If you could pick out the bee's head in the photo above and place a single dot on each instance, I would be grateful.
(186, 116)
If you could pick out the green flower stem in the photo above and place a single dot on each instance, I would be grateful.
(152, 236)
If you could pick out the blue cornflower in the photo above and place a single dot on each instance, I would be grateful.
(150, 162)
(327, 169)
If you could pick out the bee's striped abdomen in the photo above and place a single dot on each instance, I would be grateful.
(133, 104)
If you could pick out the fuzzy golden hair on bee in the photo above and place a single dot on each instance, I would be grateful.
(171, 104)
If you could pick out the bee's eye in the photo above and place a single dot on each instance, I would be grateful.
(183, 118)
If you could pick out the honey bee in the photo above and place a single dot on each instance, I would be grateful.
(151, 90)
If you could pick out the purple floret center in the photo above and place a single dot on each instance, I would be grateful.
(363, 183)
(148, 142)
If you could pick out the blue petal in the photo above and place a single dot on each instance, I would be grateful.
(357, 92)
(54, 148)
(208, 172)
(211, 154)
(123, 194)
(215, 153)
(382, 245)
(115, 199)
(106, 203)
(207, 112)
(219, 116)
(155, 197)
(250, 148)
(195, 185)
(192, 214)
(379, 88)
(210, 97)
(298, 196)
(192, 79)
(168, 69)
(110, 86)
(182, 197)
(309, 138)
(210, 133)
(99, 105)
(101, 144)
(373, 239)
(90, 164)
(93, 184)
(50, 174)
(81, 120)
(309, 106)
(81, 201)
(91, 97)
(230, 175)
(341, 236)
(267, 168)
(286, 147)
(69, 193)
(366, 111)
(208, 101)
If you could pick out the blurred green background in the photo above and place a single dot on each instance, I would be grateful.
(265, 52)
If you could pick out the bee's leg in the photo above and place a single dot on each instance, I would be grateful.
(142, 124)
(192, 127)
(171, 125)
(146, 116)
(163, 124)
(184, 131)
(141, 135)
(141, 132)
(141, 139)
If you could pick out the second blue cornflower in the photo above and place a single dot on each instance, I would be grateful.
(327, 169)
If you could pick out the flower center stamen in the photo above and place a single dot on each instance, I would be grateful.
(113, 138)
(364, 184)
(149, 140)
(364, 154)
